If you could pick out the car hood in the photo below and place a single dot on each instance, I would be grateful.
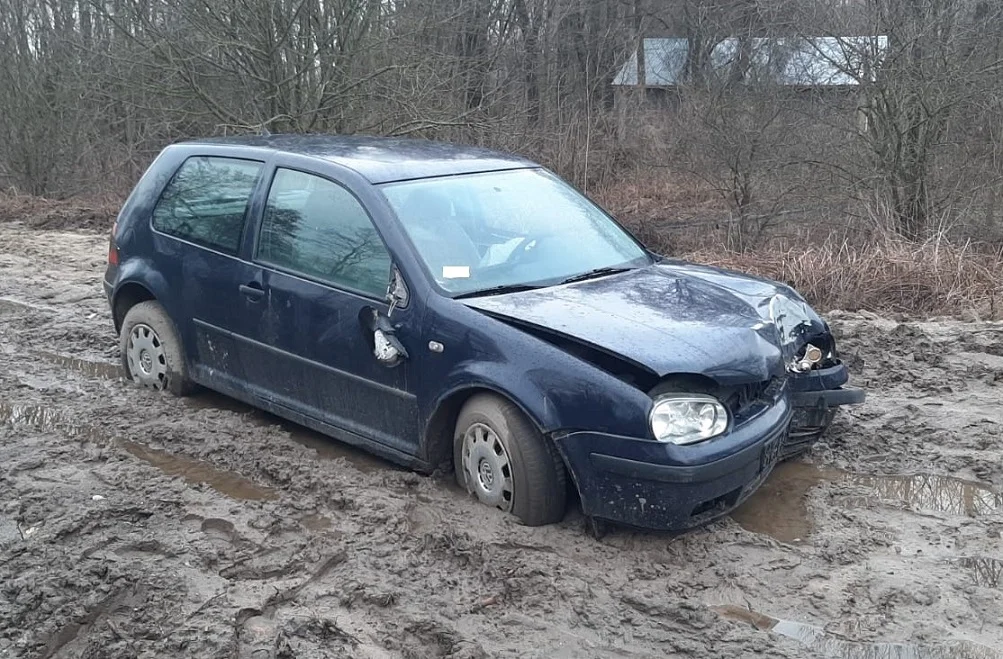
(667, 318)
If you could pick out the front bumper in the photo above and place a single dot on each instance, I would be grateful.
(661, 486)
(649, 484)
(815, 396)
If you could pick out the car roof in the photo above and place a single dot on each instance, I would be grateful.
(379, 159)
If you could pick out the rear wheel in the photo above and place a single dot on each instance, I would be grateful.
(152, 354)
(501, 458)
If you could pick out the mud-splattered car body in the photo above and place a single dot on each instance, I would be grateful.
(580, 359)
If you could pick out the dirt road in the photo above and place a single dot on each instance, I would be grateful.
(139, 525)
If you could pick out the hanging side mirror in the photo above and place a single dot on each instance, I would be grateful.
(397, 293)
(387, 348)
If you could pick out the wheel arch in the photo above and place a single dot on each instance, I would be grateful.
(126, 297)
(437, 438)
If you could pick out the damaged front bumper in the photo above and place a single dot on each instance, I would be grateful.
(815, 396)
(656, 485)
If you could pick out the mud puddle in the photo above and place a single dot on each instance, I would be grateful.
(326, 447)
(828, 644)
(41, 418)
(83, 366)
(780, 507)
(195, 471)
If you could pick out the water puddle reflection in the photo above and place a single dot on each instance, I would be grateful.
(42, 418)
(84, 366)
(779, 509)
(826, 644)
(196, 471)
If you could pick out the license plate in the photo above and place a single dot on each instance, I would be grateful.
(771, 453)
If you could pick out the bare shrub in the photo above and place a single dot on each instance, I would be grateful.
(889, 274)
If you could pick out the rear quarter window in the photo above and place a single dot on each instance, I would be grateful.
(206, 201)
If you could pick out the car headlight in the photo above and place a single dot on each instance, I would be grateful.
(687, 418)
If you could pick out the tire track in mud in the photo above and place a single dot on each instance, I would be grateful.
(925, 490)
(427, 573)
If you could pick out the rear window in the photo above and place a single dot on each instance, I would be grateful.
(206, 201)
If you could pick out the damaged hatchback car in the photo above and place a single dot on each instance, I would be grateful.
(450, 307)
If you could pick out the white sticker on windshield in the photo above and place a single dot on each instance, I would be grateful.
(455, 271)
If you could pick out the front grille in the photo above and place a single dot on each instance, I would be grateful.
(742, 399)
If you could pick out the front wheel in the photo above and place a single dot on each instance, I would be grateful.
(152, 354)
(501, 458)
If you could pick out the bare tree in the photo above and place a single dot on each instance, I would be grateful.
(929, 64)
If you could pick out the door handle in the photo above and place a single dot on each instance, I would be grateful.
(252, 291)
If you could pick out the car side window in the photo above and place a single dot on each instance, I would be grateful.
(319, 229)
(206, 201)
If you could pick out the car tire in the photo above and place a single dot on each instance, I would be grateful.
(152, 354)
(501, 458)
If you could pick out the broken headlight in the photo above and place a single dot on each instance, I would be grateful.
(687, 418)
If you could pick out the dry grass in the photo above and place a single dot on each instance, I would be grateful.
(835, 261)
(887, 275)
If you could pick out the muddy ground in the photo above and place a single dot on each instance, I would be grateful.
(134, 524)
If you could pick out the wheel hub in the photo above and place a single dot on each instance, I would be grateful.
(146, 357)
(486, 475)
(487, 467)
(145, 361)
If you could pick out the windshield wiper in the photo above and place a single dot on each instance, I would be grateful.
(592, 274)
(498, 290)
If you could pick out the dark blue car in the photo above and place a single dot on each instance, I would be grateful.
(449, 307)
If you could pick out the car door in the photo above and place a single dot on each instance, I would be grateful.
(198, 228)
(324, 274)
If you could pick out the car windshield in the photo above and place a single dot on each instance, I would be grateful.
(507, 230)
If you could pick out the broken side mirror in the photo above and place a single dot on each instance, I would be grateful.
(397, 293)
(387, 348)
